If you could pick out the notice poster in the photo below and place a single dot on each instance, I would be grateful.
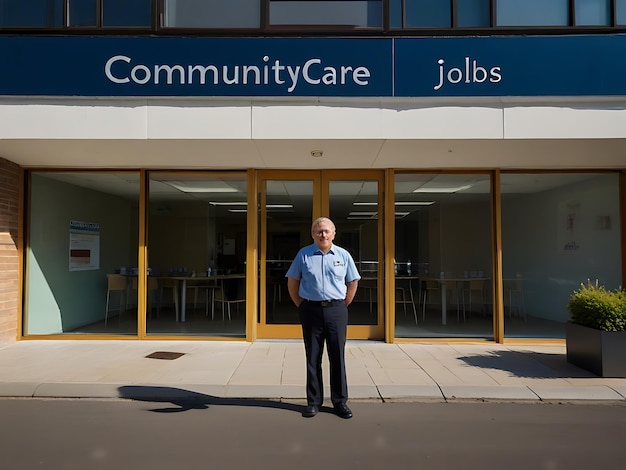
(84, 246)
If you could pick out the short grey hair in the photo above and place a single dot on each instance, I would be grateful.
(319, 220)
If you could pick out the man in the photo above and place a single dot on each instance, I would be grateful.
(322, 281)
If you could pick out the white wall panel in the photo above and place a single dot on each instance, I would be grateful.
(569, 122)
(446, 122)
(281, 121)
(78, 119)
(171, 120)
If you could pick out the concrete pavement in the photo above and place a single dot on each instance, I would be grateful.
(275, 370)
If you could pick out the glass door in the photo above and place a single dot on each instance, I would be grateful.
(353, 200)
(289, 202)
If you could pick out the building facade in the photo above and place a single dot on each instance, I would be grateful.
(162, 162)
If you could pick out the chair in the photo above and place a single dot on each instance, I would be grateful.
(153, 294)
(168, 284)
(514, 290)
(369, 287)
(401, 298)
(454, 291)
(228, 294)
(274, 285)
(475, 289)
(430, 288)
(116, 283)
(210, 287)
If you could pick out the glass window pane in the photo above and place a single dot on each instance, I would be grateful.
(395, 13)
(127, 13)
(212, 14)
(593, 12)
(428, 14)
(197, 235)
(620, 12)
(350, 13)
(557, 232)
(31, 13)
(532, 13)
(82, 253)
(473, 13)
(443, 256)
(83, 13)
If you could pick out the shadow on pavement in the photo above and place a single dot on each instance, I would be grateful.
(528, 364)
(185, 400)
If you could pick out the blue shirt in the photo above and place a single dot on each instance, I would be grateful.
(323, 276)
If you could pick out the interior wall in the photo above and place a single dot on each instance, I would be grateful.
(553, 260)
(174, 228)
(57, 299)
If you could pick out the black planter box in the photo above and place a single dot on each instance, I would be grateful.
(600, 352)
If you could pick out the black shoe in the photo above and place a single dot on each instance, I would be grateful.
(310, 411)
(343, 411)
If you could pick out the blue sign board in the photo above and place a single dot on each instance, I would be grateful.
(347, 67)
(511, 66)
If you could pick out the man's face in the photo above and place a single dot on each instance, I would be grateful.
(323, 235)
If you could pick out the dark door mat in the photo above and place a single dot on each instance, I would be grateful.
(165, 355)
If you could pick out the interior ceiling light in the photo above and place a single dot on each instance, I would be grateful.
(217, 203)
(414, 203)
(397, 203)
(279, 206)
(368, 214)
(209, 186)
(442, 189)
(317, 153)
(237, 210)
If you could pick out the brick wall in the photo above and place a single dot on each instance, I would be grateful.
(9, 260)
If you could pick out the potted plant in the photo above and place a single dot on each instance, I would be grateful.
(596, 336)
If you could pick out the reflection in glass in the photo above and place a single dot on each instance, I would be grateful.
(593, 12)
(82, 253)
(443, 256)
(350, 13)
(197, 254)
(31, 13)
(620, 12)
(428, 14)
(212, 14)
(395, 13)
(473, 13)
(127, 13)
(83, 13)
(532, 12)
(558, 230)
(354, 210)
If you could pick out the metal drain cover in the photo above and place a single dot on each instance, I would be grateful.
(165, 355)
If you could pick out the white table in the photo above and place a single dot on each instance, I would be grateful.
(444, 297)
(182, 280)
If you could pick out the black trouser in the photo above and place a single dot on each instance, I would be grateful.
(324, 324)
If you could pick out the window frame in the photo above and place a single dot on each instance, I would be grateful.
(157, 28)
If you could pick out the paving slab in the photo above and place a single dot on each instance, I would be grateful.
(264, 391)
(18, 389)
(363, 392)
(77, 390)
(577, 393)
(621, 389)
(456, 392)
(394, 392)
